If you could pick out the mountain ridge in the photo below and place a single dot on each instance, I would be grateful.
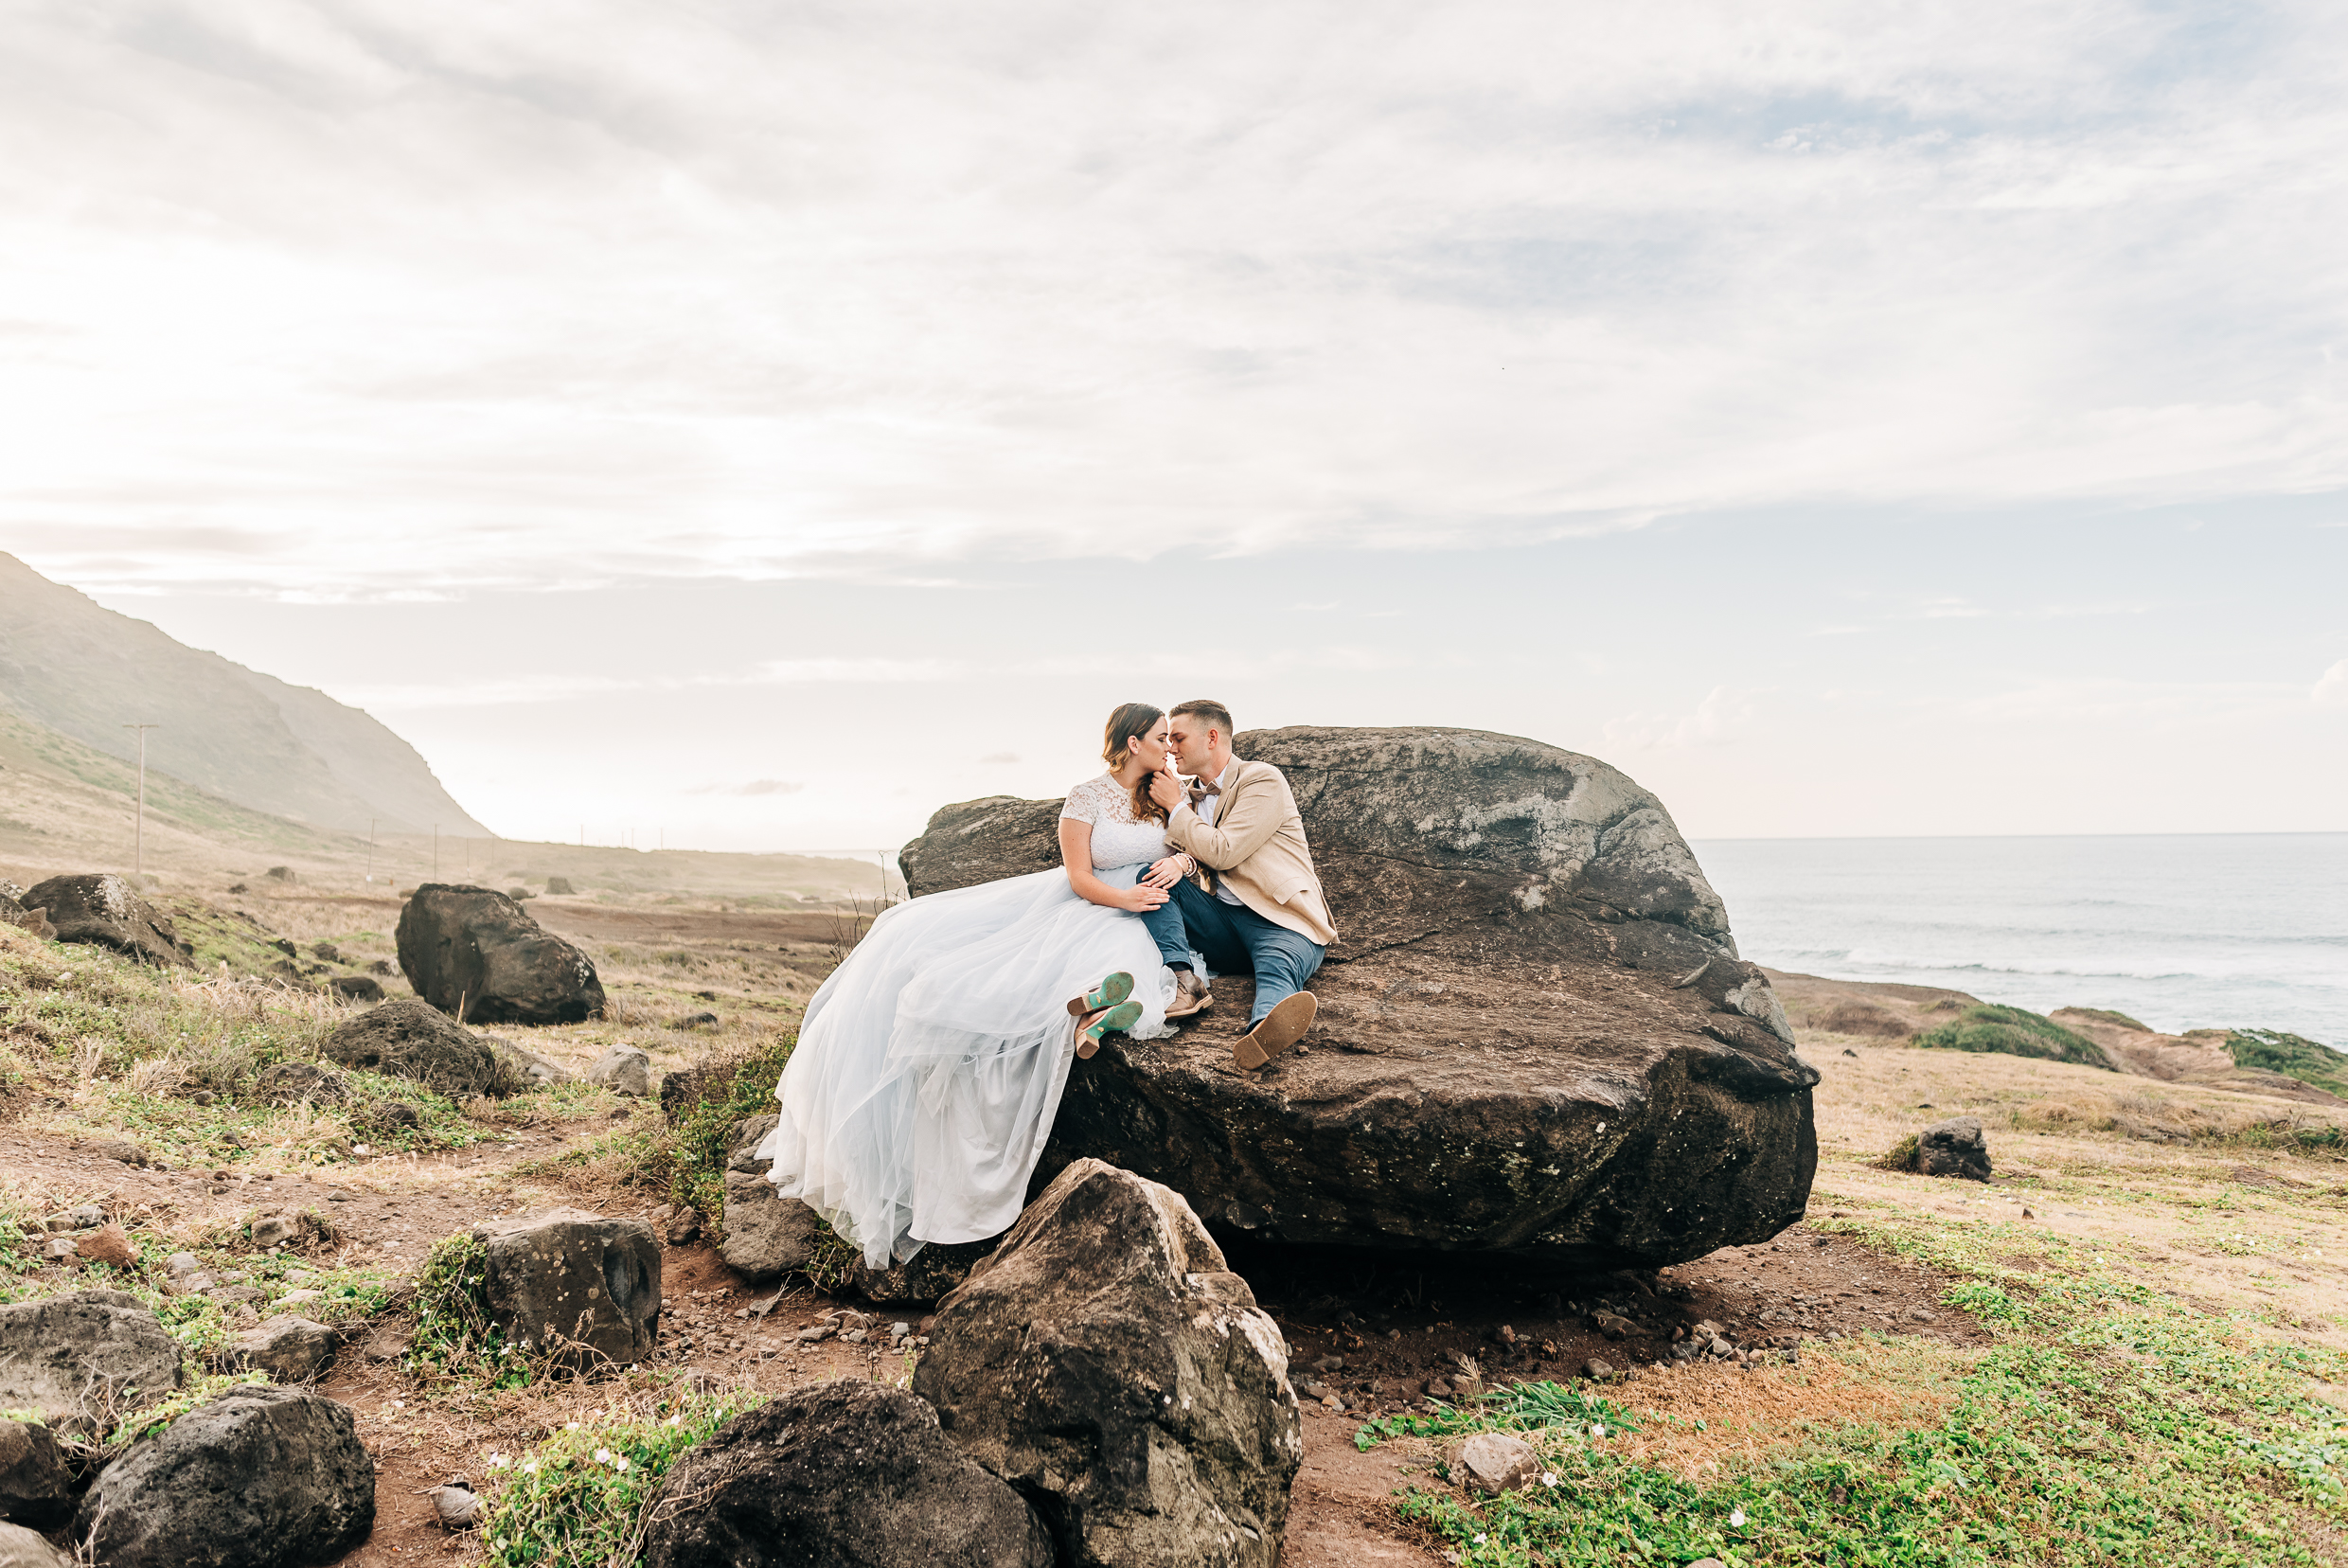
(72, 666)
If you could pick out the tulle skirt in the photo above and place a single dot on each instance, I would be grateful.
(930, 1063)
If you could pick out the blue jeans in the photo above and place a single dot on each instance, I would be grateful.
(1234, 940)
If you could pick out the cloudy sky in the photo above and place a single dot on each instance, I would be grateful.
(752, 425)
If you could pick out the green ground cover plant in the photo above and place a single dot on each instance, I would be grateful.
(577, 1499)
(2292, 1056)
(2015, 1031)
(2108, 1423)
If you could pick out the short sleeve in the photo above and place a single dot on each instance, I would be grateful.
(1083, 805)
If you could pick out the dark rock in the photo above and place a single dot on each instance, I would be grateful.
(1957, 1147)
(560, 887)
(1535, 1036)
(83, 1351)
(357, 987)
(290, 1349)
(285, 946)
(741, 1144)
(326, 951)
(36, 1484)
(624, 1070)
(408, 1039)
(765, 1235)
(696, 1020)
(262, 1477)
(380, 967)
(585, 1286)
(1106, 1363)
(474, 949)
(846, 1475)
(105, 911)
(281, 873)
(929, 1275)
(286, 1082)
(12, 912)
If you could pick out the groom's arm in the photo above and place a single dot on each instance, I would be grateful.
(1247, 827)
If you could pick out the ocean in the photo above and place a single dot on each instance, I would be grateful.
(2178, 931)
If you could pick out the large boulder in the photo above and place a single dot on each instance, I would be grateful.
(1535, 1036)
(584, 1287)
(1106, 1363)
(1957, 1147)
(21, 1547)
(407, 1038)
(474, 950)
(84, 1354)
(260, 1477)
(846, 1475)
(106, 911)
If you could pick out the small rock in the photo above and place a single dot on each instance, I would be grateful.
(83, 1348)
(290, 1349)
(1957, 1147)
(58, 1247)
(624, 1070)
(386, 1344)
(108, 1244)
(1492, 1463)
(1596, 1370)
(1438, 1389)
(274, 1230)
(1329, 1364)
(118, 1149)
(88, 1215)
(296, 1298)
(1613, 1325)
(818, 1332)
(1920, 1314)
(181, 1263)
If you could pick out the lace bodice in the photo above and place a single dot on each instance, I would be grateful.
(1119, 838)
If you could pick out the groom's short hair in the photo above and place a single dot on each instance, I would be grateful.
(1208, 711)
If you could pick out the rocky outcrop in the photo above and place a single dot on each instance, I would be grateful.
(260, 1477)
(1957, 1147)
(624, 1070)
(927, 1276)
(84, 1353)
(1107, 1364)
(32, 921)
(407, 1038)
(36, 1487)
(289, 1082)
(364, 989)
(527, 1068)
(107, 912)
(474, 952)
(584, 1287)
(847, 1474)
(289, 1349)
(1535, 1035)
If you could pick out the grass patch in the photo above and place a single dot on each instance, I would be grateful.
(2015, 1031)
(2108, 1015)
(577, 1499)
(2292, 1056)
(2108, 1423)
(454, 1334)
(1518, 1407)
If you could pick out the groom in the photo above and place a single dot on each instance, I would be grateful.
(1256, 903)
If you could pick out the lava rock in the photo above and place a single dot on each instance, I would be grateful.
(741, 1144)
(475, 948)
(624, 1070)
(528, 1068)
(36, 1486)
(357, 987)
(1957, 1147)
(846, 1475)
(928, 1275)
(1107, 1362)
(32, 921)
(83, 1351)
(260, 1477)
(560, 887)
(765, 1235)
(1535, 1036)
(290, 1349)
(23, 1548)
(104, 910)
(1492, 1463)
(411, 1039)
(585, 1285)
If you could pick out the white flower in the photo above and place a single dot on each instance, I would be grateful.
(677, 1419)
(1597, 1430)
(1480, 1537)
(570, 1426)
(1736, 1519)
(603, 1456)
(619, 1462)
(1549, 1478)
(529, 1467)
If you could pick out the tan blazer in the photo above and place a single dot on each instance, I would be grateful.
(1257, 847)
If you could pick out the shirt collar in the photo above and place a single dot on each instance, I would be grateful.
(1230, 769)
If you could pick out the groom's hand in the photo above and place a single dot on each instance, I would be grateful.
(1167, 789)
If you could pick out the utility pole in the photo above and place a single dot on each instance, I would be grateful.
(139, 853)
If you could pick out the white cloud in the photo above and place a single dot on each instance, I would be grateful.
(1726, 714)
(2333, 687)
(347, 297)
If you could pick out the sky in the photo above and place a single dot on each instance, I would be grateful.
(750, 426)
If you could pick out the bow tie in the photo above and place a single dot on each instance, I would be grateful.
(1200, 792)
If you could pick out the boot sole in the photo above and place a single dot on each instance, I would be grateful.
(1110, 992)
(1199, 1007)
(1123, 1015)
(1280, 1028)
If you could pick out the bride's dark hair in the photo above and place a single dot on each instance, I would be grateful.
(1131, 720)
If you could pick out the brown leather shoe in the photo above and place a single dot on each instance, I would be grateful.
(1190, 994)
(1277, 1030)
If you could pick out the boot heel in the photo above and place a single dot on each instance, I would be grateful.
(1110, 992)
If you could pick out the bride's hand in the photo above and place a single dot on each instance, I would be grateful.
(1167, 872)
(1141, 897)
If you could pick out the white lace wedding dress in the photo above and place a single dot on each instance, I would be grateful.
(930, 1063)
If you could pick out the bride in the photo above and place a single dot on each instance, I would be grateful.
(930, 1064)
